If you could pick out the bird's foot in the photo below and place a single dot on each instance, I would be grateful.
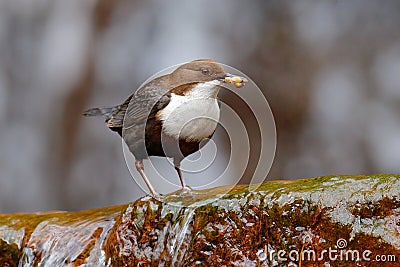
(187, 191)
(157, 196)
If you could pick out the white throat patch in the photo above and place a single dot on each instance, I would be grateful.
(193, 116)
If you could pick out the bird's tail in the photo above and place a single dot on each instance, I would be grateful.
(105, 112)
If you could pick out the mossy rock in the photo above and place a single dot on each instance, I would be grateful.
(322, 221)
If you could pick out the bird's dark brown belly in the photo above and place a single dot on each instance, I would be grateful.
(159, 144)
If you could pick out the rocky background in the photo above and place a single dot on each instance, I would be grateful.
(329, 69)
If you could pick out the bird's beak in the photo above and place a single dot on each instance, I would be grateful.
(235, 80)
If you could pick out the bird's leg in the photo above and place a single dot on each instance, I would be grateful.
(177, 164)
(140, 168)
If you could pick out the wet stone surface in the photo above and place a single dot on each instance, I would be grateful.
(322, 221)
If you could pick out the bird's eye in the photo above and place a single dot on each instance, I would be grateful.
(205, 71)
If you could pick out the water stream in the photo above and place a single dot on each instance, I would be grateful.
(182, 231)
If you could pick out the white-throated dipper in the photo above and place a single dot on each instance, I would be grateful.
(171, 115)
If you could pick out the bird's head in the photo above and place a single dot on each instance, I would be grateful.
(206, 74)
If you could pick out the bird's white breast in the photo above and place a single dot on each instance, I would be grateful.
(193, 116)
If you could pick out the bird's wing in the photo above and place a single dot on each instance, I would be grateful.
(144, 102)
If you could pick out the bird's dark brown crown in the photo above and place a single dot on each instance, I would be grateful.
(197, 71)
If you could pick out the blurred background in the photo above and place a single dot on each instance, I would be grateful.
(329, 69)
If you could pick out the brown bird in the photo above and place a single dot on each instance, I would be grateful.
(171, 115)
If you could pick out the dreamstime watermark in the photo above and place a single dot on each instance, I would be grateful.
(337, 253)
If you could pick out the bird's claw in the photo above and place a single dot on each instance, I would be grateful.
(157, 196)
(186, 189)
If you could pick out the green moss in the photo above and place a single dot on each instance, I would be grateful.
(30, 221)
